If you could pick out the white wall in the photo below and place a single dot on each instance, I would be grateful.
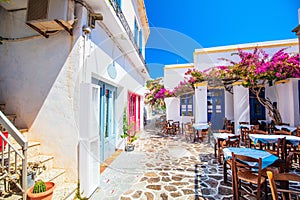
(174, 74)
(201, 104)
(288, 102)
(241, 105)
(229, 106)
(173, 108)
(40, 81)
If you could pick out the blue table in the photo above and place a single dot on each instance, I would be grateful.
(270, 139)
(267, 158)
(290, 128)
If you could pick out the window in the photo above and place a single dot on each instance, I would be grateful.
(136, 32)
(187, 105)
(141, 40)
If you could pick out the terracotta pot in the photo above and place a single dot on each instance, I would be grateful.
(50, 186)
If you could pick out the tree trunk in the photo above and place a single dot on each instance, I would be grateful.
(273, 112)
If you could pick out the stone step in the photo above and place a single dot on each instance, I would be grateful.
(65, 191)
(44, 161)
(53, 174)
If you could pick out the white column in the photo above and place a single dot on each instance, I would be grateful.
(200, 104)
(172, 108)
(229, 110)
(288, 101)
(241, 105)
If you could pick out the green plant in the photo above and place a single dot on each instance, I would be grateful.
(78, 194)
(129, 133)
(39, 187)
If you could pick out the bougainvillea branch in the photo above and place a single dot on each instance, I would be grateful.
(254, 69)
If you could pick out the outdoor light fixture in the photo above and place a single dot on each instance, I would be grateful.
(86, 30)
(93, 17)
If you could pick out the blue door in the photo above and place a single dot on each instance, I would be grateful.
(107, 120)
(216, 108)
(257, 111)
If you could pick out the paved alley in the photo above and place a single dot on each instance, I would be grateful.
(164, 168)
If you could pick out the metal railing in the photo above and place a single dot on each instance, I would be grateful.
(10, 169)
(124, 22)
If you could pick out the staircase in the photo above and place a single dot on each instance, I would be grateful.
(38, 166)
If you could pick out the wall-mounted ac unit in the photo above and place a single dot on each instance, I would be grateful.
(48, 16)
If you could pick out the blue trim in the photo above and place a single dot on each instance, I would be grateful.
(141, 40)
(119, 2)
(136, 31)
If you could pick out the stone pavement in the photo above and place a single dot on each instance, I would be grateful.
(164, 168)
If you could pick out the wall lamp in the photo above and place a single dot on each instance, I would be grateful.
(93, 17)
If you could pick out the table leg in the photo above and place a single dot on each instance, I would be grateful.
(224, 171)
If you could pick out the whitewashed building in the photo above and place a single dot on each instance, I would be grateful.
(68, 68)
(215, 103)
(240, 106)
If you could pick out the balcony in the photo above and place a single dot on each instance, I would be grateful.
(116, 23)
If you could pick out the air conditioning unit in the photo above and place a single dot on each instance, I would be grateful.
(48, 16)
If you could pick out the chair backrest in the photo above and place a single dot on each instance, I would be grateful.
(273, 177)
(233, 141)
(281, 148)
(282, 132)
(240, 166)
(188, 128)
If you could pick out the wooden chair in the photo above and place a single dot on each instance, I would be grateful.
(188, 132)
(285, 193)
(232, 141)
(176, 127)
(282, 132)
(167, 129)
(219, 141)
(204, 134)
(279, 149)
(242, 173)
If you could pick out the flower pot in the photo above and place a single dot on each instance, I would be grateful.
(47, 195)
(129, 147)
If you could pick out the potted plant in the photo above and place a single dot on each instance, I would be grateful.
(41, 190)
(129, 133)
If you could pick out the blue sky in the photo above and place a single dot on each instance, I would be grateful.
(178, 27)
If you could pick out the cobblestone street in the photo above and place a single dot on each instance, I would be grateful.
(164, 168)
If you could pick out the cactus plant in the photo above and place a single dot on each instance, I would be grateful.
(39, 187)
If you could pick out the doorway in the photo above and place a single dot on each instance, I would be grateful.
(257, 110)
(215, 108)
(107, 119)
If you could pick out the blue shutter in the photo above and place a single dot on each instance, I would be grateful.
(141, 41)
(136, 32)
